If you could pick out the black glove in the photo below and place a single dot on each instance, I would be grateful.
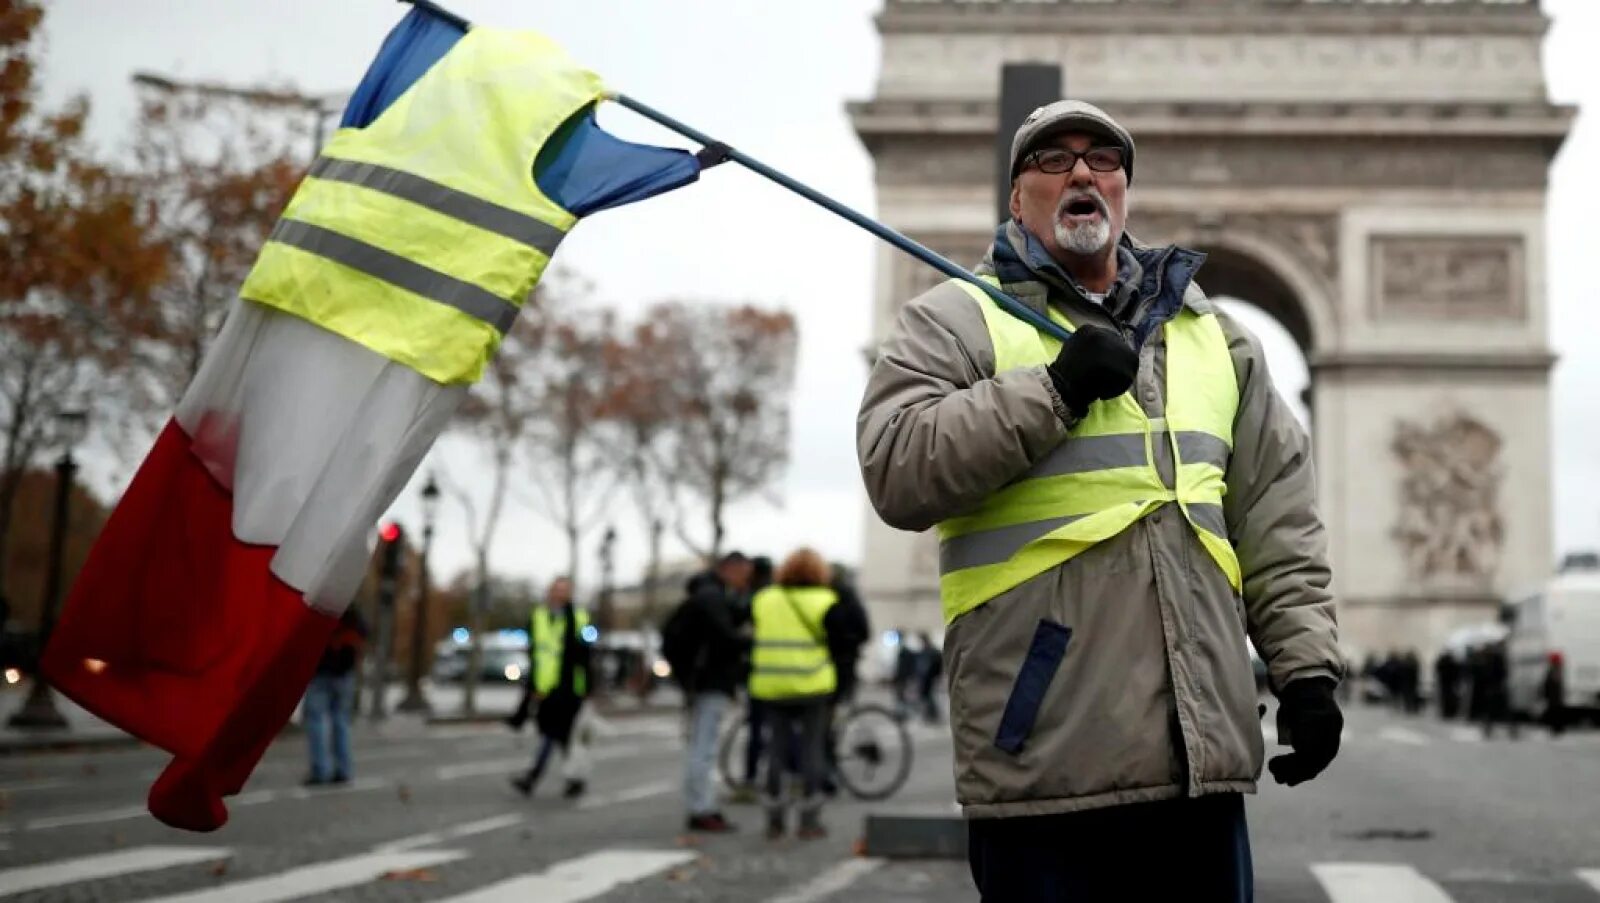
(1310, 722)
(1095, 363)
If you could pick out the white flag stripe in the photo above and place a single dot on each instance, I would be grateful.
(1358, 882)
(482, 826)
(315, 879)
(104, 865)
(578, 879)
(1590, 877)
(830, 882)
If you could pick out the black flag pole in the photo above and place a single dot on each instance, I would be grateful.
(716, 151)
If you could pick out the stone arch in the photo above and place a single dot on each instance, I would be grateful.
(1259, 270)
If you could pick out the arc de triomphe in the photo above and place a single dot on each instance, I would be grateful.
(1372, 173)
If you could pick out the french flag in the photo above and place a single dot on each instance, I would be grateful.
(203, 608)
(208, 599)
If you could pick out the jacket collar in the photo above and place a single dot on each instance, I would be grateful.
(1152, 283)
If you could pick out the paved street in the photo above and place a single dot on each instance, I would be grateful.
(1414, 810)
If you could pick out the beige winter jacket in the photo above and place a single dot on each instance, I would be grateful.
(1154, 697)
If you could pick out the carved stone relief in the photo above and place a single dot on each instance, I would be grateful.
(1313, 239)
(1447, 277)
(1449, 524)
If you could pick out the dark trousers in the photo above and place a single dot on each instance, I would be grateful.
(1194, 850)
(755, 741)
(795, 734)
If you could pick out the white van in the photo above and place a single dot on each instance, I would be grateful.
(1559, 624)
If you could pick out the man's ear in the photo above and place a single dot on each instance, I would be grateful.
(1016, 199)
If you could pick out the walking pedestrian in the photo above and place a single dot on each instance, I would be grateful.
(1447, 681)
(1114, 511)
(716, 641)
(329, 700)
(797, 622)
(560, 656)
(930, 667)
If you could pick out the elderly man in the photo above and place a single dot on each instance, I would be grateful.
(1116, 514)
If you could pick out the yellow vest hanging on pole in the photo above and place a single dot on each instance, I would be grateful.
(420, 235)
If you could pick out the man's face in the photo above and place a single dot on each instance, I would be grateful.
(560, 593)
(736, 574)
(1077, 214)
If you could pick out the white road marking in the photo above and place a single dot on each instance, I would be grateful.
(1358, 882)
(25, 786)
(482, 826)
(1402, 735)
(86, 818)
(631, 794)
(1590, 877)
(1269, 734)
(479, 769)
(1463, 734)
(830, 882)
(104, 865)
(315, 879)
(578, 879)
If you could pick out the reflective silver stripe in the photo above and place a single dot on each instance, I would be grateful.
(775, 669)
(1196, 447)
(487, 215)
(1209, 518)
(1079, 454)
(994, 546)
(788, 644)
(398, 271)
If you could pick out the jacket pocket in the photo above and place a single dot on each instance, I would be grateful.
(1049, 646)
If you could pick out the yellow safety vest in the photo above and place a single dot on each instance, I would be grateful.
(1103, 478)
(420, 235)
(790, 659)
(547, 635)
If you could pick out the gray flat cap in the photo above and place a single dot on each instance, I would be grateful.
(1069, 116)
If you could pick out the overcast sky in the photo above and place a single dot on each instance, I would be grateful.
(771, 78)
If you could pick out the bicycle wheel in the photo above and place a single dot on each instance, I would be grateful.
(874, 752)
(730, 754)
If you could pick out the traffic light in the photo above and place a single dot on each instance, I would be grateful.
(393, 545)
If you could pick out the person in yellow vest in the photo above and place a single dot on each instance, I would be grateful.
(796, 623)
(1116, 514)
(560, 637)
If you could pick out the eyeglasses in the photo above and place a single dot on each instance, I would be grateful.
(1055, 160)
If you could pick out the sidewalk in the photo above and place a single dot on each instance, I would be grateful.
(494, 702)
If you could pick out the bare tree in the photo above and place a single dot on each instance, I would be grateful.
(75, 258)
(732, 374)
(217, 169)
(498, 413)
(569, 462)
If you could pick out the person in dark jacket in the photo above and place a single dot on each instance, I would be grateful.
(718, 622)
(1447, 680)
(329, 699)
(558, 672)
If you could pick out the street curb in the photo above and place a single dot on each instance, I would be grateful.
(904, 835)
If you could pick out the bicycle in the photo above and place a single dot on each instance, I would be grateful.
(872, 751)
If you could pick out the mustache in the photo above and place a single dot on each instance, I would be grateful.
(1089, 194)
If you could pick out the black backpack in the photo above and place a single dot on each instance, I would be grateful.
(681, 643)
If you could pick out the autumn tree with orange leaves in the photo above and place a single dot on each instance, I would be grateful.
(76, 259)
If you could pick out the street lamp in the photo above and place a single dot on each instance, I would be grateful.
(39, 711)
(415, 701)
(320, 106)
(607, 547)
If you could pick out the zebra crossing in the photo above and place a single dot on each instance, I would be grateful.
(592, 876)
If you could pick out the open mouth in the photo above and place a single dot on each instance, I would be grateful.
(1082, 208)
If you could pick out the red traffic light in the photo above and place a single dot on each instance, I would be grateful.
(389, 532)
